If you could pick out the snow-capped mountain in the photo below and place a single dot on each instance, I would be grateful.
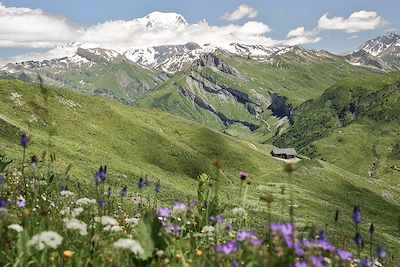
(382, 52)
(160, 20)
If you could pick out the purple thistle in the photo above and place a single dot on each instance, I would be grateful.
(300, 252)
(344, 255)
(218, 219)
(301, 264)
(141, 183)
(325, 245)
(24, 140)
(243, 175)
(2, 180)
(358, 240)
(380, 252)
(243, 236)
(102, 203)
(164, 213)
(228, 248)
(357, 215)
(157, 187)
(124, 191)
(286, 231)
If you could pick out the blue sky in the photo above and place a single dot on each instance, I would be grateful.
(280, 16)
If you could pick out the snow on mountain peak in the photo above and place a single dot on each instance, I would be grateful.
(379, 44)
(158, 19)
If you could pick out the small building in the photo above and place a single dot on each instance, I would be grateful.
(284, 153)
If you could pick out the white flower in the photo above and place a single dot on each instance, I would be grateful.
(76, 212)
(85, 201)
(132, 245)
(66, 193)
(133, 222)
(76, 224)
(106, 220)
(113, 228)
(208, 230)
(46, 238)
(16, 227)
(65, 211)
(239, 212)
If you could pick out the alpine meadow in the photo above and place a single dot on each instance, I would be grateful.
(131, 135)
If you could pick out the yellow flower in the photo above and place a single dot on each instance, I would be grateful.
(178, 256)
(68, 253)
(199, 253)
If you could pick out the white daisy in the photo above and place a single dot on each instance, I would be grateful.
(47, 238)
(16, 227)
(132, 245)
(76, 224)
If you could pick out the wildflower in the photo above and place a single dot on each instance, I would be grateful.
(365, 263)
(286, 231)
(301, 264)
(179, 209)
(147, 181)
(47, 238)
(325, 245)
(124, 191)
(24, 140)
(76, 212)
(380, 252)
(178, 256)
(372, 229)
(239, 212)
(53, 257)
(218, 219)
(107, 220)
(109, 191)
(16, 227)
(208, 230)
(228, 248)
(243, 175)
(21, 203)
(323, 235)
(358, 239)
(66, 193)
(357, 215)
(344, 255)
(256, 242)
(102, 203)
(101, 175)
(174, 230)
(164, 213)
(2, 180)
(141, 183)
(68, 253)
(133, 222)
(317, 261)
(300, 252)
(85, 201)
(76, 224)
(234, 263)
(113, 228)
(157, 187)
(3, 204)
(243, 236)
(199, 253)
(132, 245)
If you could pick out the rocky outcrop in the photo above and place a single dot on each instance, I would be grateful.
(280, 107)
(212, 61)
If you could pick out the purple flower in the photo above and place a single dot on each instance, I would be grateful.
(101, 175)
(301, 264)
(157, 187)
(174, 230)
(3, 204)
(218, 219)
(380, 252)
(323, 235)
(344, 255)
(286, 231)
(21, 203)
(123, 191)
(2, 180)
(308, 244)
(147, 181)
(141, 183)
(365, 263)
(357, 215)
(256, 242)
(358, 239)
(243, 175)
(372, 229)
(234, 263)
(243, 236)
(325, 245)
(102, 203)
(228, 248)
(300, 252)
(194, 203)
(164, 213)
(317, 261)
(24, 140)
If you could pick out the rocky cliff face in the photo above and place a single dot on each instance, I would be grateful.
(212, 61)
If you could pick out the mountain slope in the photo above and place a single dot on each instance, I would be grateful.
(240, 95)
(382, 52)
(134, 142)
(354, 124)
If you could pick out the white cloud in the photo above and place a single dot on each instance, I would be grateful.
(302, 40)
(357, 22)
(25, 27)
(243, 11)
(352, 37)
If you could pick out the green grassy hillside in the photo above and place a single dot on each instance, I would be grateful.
(89, 131)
